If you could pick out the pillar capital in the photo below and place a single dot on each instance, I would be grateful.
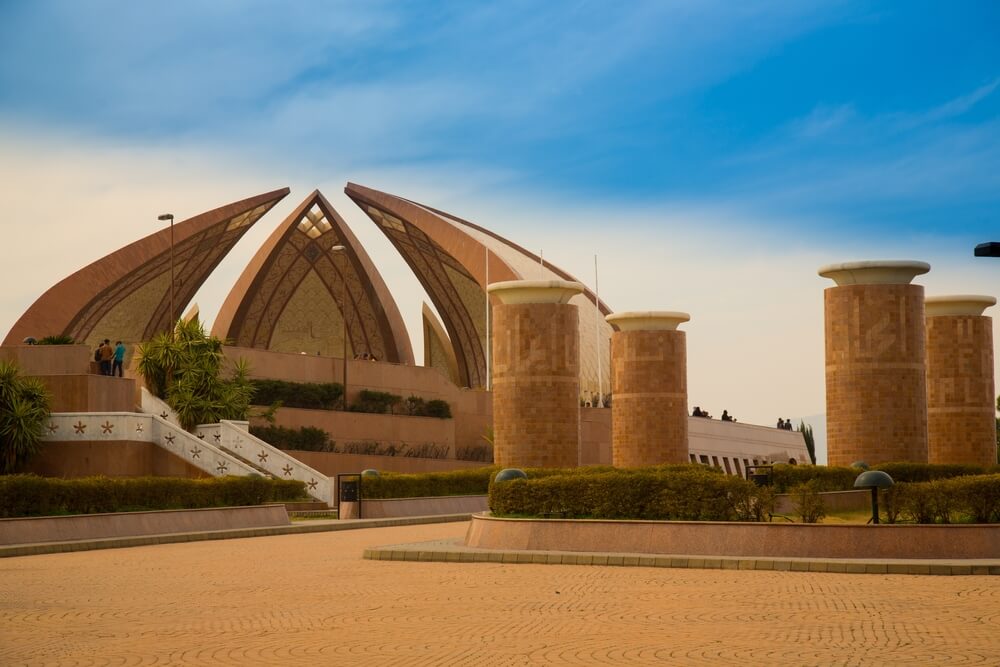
(874, 272)
(535, 291)
(648, 320)
(957, 304)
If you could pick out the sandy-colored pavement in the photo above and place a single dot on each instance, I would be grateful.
(312, 600)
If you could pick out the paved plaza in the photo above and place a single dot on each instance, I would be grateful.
(312, 600)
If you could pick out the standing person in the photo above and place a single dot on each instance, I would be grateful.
(107, 354)
(119, 358)
(781, 423)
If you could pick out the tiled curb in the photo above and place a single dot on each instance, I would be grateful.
(457, 553)
(9, 551)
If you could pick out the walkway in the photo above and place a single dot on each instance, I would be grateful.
(311, 599)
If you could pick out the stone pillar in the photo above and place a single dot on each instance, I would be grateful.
(876, 399)
(536, 374)
(961, 420)
(649, 414)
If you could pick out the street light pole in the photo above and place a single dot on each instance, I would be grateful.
(339, 249)
(170, 217)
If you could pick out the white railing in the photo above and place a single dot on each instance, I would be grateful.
(234, 436)
(136, 427)
(151, 404)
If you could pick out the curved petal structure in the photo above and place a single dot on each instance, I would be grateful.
(126, 295)
(438, 351)
(449, 256)
(296, 293)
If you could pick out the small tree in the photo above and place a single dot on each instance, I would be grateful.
(24, 407)
(807, 434)
(186, 371)
(807, 502)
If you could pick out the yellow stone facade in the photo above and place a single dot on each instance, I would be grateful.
(649, 386)
(876, 400)
(536, 385)
(961, 426)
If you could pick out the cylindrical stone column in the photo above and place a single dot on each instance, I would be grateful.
(876, 398)
(961, 418)
(649, 389)
(536, 374)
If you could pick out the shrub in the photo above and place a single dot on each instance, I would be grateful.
(752, 503)
(186, 369)
(438, 408)
(824, 478)
(471, 482)
(29, 495)
(684, 492)
(24, 407)
(926, 472)
(308, 395)
(379, 402)
(306, 438)
(807, 502)
(477, 452)
(60, 339)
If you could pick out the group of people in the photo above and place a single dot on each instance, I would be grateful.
(110, 358)
(365, 356)
(785, 424)
(698, 412)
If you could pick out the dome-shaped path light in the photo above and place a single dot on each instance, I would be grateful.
(874, 480)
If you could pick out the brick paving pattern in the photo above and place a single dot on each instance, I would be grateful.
(311, 599)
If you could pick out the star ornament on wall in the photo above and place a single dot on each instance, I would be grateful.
(287, 470)
(52, 428)
(80, 427)
(107, 427)
(195, 453)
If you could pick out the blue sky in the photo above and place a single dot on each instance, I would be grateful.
(714, 152)
(882, 116)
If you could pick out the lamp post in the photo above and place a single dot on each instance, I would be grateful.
(874, 480)
(988, 249)
(170, 217)
(339, 249)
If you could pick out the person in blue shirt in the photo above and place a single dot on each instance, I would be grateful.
(119, 358)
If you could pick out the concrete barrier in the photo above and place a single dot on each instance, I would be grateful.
(396, 507)
(758, 540)
(32, 530)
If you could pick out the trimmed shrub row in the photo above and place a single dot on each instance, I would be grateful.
(964, 499)
(681, 493)
(471, 482)
(382, 402)
(311, 439)
(306, 438)
(30, 495)
(308, 395)
(328, 396)
(833, 478)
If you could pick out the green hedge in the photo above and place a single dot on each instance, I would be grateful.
(832, 478)
(470, 482)
(926, 472)
(309, 395)
(683, 493)
(821, 478)
(962, 499)
(306, 438)
(30, 495)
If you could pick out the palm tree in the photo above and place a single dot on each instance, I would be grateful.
(186, 370)
(24, 407)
